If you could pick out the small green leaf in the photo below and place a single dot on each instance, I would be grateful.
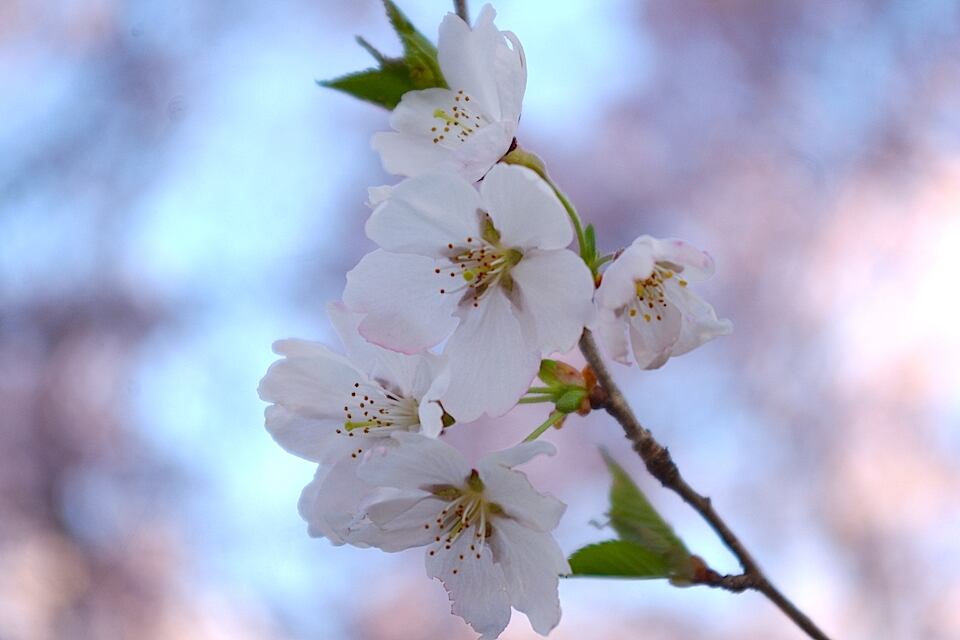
(635, 520)
(419, 54)
(417, 69)
(382, 87)
(619, 559)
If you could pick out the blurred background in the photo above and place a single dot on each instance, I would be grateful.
(176, 193)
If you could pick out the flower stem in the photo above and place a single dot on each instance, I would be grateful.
(460, 7)
(662, 467)
(554, 418)
(524, 158)
(534, 399)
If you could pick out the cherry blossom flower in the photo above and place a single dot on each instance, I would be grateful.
(332, 410)
(645, 295)
(486, 529)
(467, 128)
(490, 268)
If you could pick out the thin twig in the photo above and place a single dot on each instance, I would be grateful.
(460, 6)
(661, 465)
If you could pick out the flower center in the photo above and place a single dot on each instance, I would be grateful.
(466, 509)
(650, 300)
(477, 265)
(372, 411)
(457, 124)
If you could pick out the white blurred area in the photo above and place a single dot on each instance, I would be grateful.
(176, 193)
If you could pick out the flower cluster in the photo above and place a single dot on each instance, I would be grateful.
(472, 286)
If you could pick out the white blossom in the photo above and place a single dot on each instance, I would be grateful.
(333, 410)
(645, 304)
(486, 529)
(489, 269)
(467, 128)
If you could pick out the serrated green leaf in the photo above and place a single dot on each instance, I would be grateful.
(382, 87)
(418, 52)
(635, 520)
(619, 559)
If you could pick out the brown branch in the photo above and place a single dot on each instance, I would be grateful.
(460, 6)
(660, 464)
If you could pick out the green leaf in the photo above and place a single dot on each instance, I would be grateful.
(619, 559)
(635, 520)
(382, 87)
(385, 86)
(419, 54)
(590, 236)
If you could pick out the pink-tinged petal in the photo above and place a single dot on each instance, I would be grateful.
(400, 297)
(684, 259)
(653, 340)
(403, 154)
(400, 522)
(532, 563)
(331, 503)
(618, 286)
(611, 328)
(518, 454)
(491, 364)
(524, 209)
(555, 291)
(519, 500)
(467, 59)
(699, 323)
(410, 375)
(417, 463)
(423, 215)
(475, 585)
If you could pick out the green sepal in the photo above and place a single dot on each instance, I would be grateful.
(571, 400)
(619, 559)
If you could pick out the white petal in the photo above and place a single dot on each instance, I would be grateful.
(532, 563)
(699, 323)
(524, 209)
(618, 286)
(376, 195)
(612, 331)
(330, 504)
(403, 154)
(417, 463)
(476, 586)
(491, 364)
(309, 438)
(518, 454)
(403, 522)
(424, 214)
(683, 258)
(414, 114)
(556, 297)
(513, 492)
(483, 149)
(431, 419)
(311, 380)
(653, 341)
(468, 59)
(400, 295)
